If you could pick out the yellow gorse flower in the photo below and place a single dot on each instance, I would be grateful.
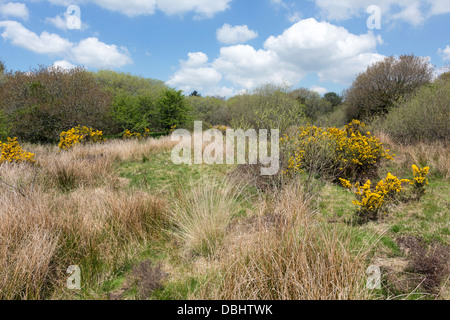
(78, 135)
(354, 152)
(420, 180)
(128, 135)
(371, 201)
(11, 151)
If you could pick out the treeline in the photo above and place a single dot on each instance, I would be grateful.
(37, 105)
(398, 95)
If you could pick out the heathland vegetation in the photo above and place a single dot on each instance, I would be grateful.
(87, 180)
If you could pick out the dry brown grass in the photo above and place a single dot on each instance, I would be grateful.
(435, 155)
(66, 211)
(202, 214)
(284, 254)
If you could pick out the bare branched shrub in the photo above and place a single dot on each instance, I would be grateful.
(383, 84)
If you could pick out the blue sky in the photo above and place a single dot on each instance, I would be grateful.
(224, 47)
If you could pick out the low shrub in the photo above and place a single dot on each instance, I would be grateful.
(131, 135)
(334, 153)
(79, 135)
(11, 151)
(373, 202)
(422, 119)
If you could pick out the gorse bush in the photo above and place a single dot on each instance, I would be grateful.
(11, 151)
(334, 153)
(420, 180)
(79, 135)
(372, 202)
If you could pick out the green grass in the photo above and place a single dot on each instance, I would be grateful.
(157, 172)
(427, 218)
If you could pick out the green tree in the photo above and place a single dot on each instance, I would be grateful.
(333, 98)
(314, 104)
(424, 118)
(135, 100)
(267, 107)
(173, 109)
(212, 110)
(120, 83)
(195, 94)
(135, 112)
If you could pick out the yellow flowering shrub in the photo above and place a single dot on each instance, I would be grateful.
(420, 180)
(79, 135)
(339, 153)
(128, 135)
(371, 202)
(221, 128)
(11, 151)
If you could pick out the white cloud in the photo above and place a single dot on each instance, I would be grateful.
(445, 53)
(319, 90)
(89, 52)
(203, 8)
(131, 8)
(316, 45)
(228, 34)
(14, 9)
(63, 64)
(308, 46)
(46, 43)
(414, 12)
(247, 67)
(195, 60)
(93, 53)
(60, 22)
(195, 74)
(294, 17)
(278, 3)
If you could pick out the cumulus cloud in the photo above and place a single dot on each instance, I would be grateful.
(319, 90)
(317, 45)
(131, 8)
(309, 46)
(46, 43)
(414, 12)
(60, 22)
(63, 64)
(228, 34)
(247, 67)
(195, 73)
(445, 53)
(89, 52)
(14, 9)
(93, 53)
